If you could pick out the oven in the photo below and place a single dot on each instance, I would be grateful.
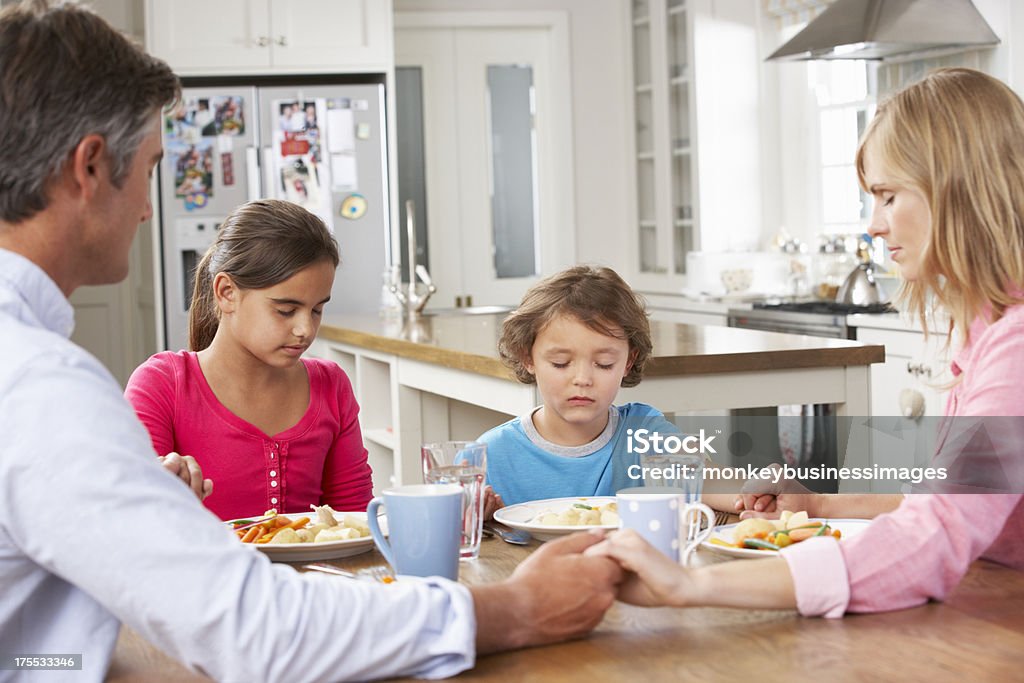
(803, 434)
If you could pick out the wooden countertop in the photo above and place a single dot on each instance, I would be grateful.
(469, 342)
(977, 634)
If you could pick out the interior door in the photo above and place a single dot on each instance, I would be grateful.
(495, 143)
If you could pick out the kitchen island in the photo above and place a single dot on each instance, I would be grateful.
(440, 377)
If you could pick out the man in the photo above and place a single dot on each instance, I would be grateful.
(93, 532)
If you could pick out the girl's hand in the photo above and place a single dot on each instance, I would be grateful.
(492, 503)
(653, 580)
(186, 468)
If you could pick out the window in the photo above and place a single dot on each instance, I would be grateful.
(845, 95)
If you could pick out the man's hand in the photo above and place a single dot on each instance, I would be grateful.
(186, 468)
(555, 594)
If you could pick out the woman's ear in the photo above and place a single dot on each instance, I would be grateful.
(225, 293)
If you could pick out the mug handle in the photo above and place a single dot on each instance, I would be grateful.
(688, 519)
(378, 538)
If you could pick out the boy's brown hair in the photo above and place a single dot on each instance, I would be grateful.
(598, 298)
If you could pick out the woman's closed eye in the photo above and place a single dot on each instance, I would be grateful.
(286, 313)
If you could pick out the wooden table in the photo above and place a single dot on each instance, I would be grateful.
(976, 635)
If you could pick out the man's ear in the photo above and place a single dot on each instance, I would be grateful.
(89, 166)
(225, 293)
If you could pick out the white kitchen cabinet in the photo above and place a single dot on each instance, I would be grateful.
(695, 109)
(689, 317)
(912, 364)
(198, 37)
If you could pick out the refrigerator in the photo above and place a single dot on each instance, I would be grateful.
(319, 144)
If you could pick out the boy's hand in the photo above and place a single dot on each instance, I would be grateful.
(492, 503)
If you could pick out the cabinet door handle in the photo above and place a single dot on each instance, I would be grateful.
(281, 41)
(262, 41)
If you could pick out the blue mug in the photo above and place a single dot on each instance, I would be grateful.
(665, 519)
(425, 527)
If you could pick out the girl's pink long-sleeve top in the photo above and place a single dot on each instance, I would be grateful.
(921, 550)
(320, 459)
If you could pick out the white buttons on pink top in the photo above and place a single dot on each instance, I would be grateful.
(274, 484)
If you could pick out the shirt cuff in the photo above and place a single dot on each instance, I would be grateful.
(452, 629)
(819, 577)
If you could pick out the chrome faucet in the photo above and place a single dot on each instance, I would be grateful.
(410, 299)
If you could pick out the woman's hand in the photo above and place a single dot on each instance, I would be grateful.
(653, 580)
(492, 503)
(186, 468)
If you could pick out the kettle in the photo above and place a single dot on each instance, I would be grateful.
(860, 287)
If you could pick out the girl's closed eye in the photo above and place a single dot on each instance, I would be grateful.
(560, 365)
(605, 366)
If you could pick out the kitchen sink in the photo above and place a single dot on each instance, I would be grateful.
(469, 310)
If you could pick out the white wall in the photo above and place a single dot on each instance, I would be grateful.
(600, 101)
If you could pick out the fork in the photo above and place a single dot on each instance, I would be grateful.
(378, 573)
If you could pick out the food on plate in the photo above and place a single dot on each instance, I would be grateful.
(581, 514)
(277, 529)
(771, 535)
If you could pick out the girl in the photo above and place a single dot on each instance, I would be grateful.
(942, 160)
(579, 335)
(273, 430)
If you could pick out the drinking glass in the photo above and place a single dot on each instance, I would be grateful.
(463, 463)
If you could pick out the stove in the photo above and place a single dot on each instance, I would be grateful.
(814, 318)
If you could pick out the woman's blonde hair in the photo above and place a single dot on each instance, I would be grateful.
(957, 137)
(262, 243)
(598, 298)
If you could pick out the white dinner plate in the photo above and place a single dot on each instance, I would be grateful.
(329, 550)
(847, 527)
(521, 516)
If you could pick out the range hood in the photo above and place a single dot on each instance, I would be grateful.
(884, 29)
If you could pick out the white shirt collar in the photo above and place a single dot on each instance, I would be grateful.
(32, 296)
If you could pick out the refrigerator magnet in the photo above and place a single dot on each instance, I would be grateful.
(353, 206)
(363, 131)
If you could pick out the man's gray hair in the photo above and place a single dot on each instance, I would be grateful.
(65, 73)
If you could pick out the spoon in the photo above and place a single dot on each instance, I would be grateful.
(513, 536)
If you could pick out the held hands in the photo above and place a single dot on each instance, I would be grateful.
(186, 468)
(653, 579)
(763, 498)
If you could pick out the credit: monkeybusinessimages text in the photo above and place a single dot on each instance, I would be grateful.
(676, 472)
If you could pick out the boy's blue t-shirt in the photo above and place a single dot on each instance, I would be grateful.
(523, 466)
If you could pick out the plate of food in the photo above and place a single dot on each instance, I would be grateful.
(321, 534)
(753, 538)
(554, 517)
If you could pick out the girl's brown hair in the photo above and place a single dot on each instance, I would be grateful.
(597, 297)
(957, 137)
(261, 244)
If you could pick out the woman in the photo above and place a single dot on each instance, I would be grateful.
(944, 160)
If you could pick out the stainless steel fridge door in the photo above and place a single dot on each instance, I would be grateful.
(324, 147)
(210, 153)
